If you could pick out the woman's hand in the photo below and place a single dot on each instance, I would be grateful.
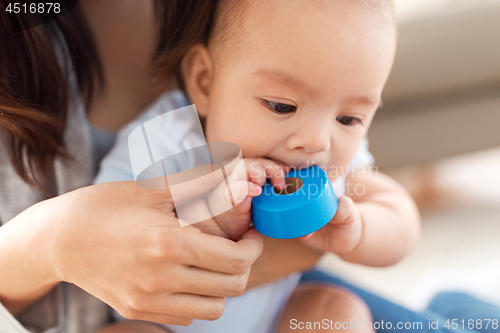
(123, 244)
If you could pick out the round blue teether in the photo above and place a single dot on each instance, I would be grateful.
(296, 214)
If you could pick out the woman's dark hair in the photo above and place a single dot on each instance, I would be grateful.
(34, 92)
(34, 88)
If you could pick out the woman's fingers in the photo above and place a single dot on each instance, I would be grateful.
(160, 318)
(175, 305)
(214, 284)
(223, 255)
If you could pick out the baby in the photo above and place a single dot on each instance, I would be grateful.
(293, 83)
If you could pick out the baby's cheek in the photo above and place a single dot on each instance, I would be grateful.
(337, 170)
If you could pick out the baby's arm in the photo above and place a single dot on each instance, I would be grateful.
(376, 227)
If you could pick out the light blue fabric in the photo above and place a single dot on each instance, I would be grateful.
(102, 142)
(482, 316)
(175, 136)
(444, 306)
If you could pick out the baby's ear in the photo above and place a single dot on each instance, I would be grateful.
(197, 72)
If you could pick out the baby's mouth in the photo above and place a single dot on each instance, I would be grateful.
(294, 165)
(303, 165)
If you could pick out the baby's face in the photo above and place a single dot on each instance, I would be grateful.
(304, 85)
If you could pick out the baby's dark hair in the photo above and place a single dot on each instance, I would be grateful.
(184, 23)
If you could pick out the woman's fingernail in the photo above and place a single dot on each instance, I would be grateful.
(256, 189)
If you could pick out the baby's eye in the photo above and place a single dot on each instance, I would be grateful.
(279, 107)
(348, 120)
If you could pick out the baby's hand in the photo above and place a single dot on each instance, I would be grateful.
(342, 234)
(234, 222)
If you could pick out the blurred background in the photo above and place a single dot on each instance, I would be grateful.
(438, 133)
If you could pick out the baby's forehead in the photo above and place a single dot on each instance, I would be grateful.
(240, 23)
(231, 14)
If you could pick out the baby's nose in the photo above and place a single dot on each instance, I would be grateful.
(312, 138)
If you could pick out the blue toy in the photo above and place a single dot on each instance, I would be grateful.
(309, 205)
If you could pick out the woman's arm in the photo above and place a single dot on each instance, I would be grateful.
(26, 273)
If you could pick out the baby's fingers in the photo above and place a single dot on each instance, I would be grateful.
(239, 190)
(236, 221)
(346, 212)
(273, 170)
